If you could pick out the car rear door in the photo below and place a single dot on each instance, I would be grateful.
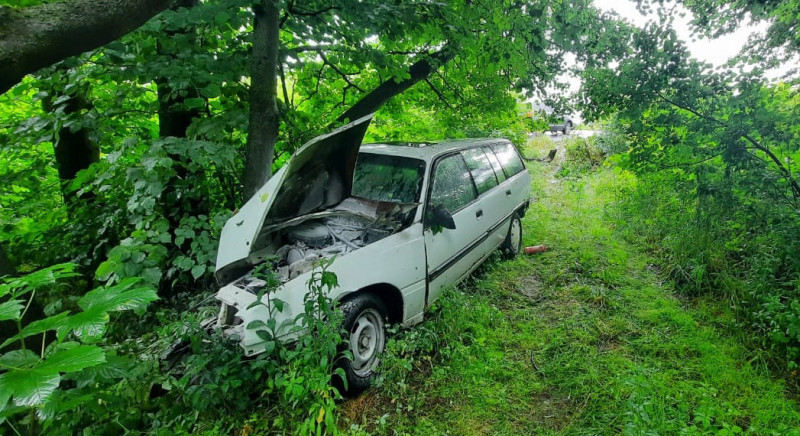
(517, 186)
(492, 198)
(451, 252)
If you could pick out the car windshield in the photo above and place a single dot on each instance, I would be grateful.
(388, 178)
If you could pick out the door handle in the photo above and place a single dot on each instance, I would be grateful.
(508, 193)
(479, 214)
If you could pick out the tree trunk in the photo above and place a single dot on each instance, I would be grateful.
(37, 36)
(74, 150)
(388, 89)
(6, 267)
(264, 115)
(173, 118)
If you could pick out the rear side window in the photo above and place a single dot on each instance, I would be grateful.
(509, 158)
(481, 169)
(498, 169)
(452, 184)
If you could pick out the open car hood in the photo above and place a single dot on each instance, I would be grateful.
(317, 176)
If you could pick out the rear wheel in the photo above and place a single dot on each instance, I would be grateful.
(365, 322)
(513, 243)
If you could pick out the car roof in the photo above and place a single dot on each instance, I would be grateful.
(428, 150)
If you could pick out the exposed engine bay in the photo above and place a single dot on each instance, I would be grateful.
(295, 246)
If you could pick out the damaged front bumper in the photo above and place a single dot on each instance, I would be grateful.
(240, 309)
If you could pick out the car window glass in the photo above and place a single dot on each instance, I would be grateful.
(452, 184)
(481, 169)
(509, 158)
(498, 169)
(388, 178)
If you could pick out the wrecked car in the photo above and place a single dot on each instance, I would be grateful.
(404, 221)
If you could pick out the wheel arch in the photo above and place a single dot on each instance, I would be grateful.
(390, 295)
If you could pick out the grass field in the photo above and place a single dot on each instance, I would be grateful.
(582, 339)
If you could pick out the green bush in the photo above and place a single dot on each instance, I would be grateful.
(583, 155)
(77, 383)
(722, 232)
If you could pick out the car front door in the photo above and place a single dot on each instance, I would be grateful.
(450, 252)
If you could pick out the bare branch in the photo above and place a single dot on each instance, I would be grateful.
(438, 94)
(340, 72)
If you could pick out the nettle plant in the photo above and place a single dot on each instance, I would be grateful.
(302, 374)
(70, 340)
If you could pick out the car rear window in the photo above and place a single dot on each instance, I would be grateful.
(388, 178)
(481, 169)
(452, 184)
(509, 158)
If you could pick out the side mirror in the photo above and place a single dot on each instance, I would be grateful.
(441, 217)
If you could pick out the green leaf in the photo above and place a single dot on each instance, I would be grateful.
(73, 359)
(30, 387)
(211, 91)
(18, 359)
(194, 103)
(5, 394)
(122, 296)
(89, 325)
(36, 327)
(198, 270)
(255, 324)
(105, 269)
(221, 18)
(265, 335)
(11, 310)
(329, 279)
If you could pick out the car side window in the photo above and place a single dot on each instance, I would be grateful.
(509, 158)
(498, 169)
(481, 169)
(452, 184)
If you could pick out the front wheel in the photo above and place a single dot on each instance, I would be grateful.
(365, 324)
(513, 243)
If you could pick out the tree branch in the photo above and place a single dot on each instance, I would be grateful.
(438, 94)
(295, 11)
(344, 75)
(420, 70)
(38, 36)
(782, 169)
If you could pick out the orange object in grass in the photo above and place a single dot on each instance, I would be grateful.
(536, 249)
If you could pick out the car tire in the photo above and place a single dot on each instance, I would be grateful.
(513, 242)
(365, 318)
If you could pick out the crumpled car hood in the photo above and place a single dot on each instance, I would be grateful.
(319, 175)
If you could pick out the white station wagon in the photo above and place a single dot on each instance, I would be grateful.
(404, 221)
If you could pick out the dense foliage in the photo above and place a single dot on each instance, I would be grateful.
(120, 165)
(716, 152)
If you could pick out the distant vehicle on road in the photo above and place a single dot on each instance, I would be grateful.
(564, 127)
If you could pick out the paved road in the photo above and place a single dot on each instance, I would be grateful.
(560, 136)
